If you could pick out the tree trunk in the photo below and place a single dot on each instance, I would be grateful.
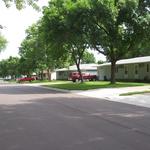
(49, 74)
(113, 69)
(80, 73)
(42, 75)
(77, 62)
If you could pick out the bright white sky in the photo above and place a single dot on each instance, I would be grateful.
(15, 23)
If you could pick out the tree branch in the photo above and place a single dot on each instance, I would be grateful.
(103, 28)
(100, 51)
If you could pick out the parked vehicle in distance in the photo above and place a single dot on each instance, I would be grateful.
(30, 79)
(74, 76)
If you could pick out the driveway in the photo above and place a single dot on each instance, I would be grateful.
(33, 118)
(113, 94)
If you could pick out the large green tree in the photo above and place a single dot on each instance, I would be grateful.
(63, 31)
(28, 52)
(36, 54)
(117, 27)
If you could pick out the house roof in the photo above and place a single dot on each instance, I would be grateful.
(82, 67)
(130, 61)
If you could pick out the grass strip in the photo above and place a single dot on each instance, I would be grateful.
(133, 93)
(93, 85)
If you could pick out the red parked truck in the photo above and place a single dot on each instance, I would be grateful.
(75, 76)
(25, 79)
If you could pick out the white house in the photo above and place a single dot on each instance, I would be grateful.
(52, 75)
(127, 69)
(63, 74)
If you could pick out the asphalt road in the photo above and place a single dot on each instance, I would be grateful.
(32, 118)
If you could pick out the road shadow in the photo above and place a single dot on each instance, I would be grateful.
(51, 120)
(74, 123)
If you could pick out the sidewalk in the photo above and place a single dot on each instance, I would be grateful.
(112, 94)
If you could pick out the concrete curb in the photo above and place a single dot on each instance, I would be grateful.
(54, 89)
(50, 88)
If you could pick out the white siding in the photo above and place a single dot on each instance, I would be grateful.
(137, 71)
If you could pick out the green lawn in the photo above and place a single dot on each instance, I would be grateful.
(11, 81)
(49, 82)
(40, 81)
(133, 93)
(92, 85)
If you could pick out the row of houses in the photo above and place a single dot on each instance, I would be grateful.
(127, 69)
(63, 73)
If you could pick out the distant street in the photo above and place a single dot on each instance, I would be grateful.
(34, 118)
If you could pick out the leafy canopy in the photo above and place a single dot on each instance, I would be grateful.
(62, 28)
(9, 67)
(3, 42)
(88, 58)
(20, 4)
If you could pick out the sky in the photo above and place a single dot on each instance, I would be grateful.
(15, 23)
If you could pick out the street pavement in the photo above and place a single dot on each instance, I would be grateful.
(34, 118)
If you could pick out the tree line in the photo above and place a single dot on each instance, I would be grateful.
(15, 67)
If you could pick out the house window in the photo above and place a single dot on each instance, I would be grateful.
(136, 69)
(126, 69)
(147, 67)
